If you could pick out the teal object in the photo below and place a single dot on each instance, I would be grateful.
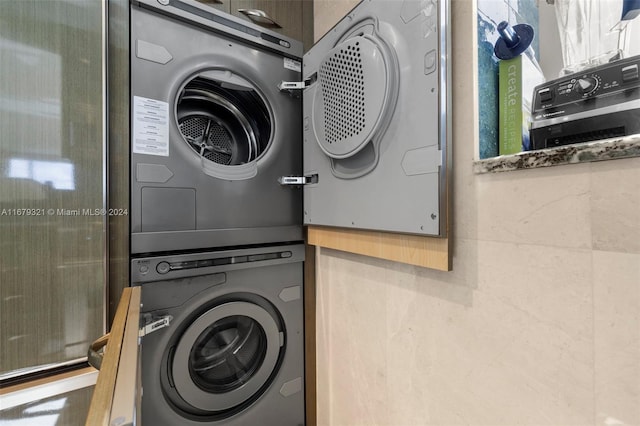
(487, 92)
(490, 12)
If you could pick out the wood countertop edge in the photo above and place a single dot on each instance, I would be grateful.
(423, 251)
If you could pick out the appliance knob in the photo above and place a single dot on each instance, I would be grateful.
(586, 85)
(163, 267)
(630, 73)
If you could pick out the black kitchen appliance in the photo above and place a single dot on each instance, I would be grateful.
(598, 103)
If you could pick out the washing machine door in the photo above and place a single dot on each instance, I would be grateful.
(226, 357)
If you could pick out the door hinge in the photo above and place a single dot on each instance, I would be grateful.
(297, 180)
(293, 85)
(297, 85)
(155, 326)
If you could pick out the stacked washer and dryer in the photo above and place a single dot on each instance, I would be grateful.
(221, 110)
(216, 242)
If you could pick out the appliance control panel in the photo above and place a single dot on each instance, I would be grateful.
(599, 103)
(164, 267)
(601, 81)
(182, 265)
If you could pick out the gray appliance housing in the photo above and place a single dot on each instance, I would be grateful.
(375, 128)
(179, 200)
(376, 123)
(184, 376)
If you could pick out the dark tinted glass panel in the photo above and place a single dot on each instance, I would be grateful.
(227, 354)
(52, 189)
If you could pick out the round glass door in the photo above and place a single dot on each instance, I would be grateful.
(226, 356)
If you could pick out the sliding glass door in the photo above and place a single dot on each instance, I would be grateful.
(53, 241)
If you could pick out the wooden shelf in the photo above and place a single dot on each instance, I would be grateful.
(428, 252)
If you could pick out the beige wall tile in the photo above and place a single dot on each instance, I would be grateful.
(617, 337)
(324, 358)
(407, 347)
(410, 346)
(327, 13)
(552, 285)
(463, 89)
(549, 206)
(615, 205)
(496, 365)
(502, 357)
(353, 323)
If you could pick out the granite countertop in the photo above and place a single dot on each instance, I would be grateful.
(609, 149)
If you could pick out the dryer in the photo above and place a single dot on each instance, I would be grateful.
(362, 123)
(211, 131)
(224, 342)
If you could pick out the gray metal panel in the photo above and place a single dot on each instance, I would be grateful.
(228, 212)
(406, 190)
(146, 242)
(183, 297)
(199, 14)
(168, 209)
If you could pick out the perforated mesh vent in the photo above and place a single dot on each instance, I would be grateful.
(220, 143)
(342, 82)
(193, 128)
(219, 146)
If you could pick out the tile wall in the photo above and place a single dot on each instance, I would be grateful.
(537, 324)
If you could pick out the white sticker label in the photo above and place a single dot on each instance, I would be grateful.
(150, 126)
(293, 65)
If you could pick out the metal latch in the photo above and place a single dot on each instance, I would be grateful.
(155, 326)
(297, 180)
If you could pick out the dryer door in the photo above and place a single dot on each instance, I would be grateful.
(226, 357)
(375, 119)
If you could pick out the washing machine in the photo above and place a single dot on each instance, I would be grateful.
(223, 337)
(211, 133)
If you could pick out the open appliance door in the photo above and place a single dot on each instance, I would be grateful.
(375, 119)
(116, 397)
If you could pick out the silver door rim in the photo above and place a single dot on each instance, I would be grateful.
(194, 395)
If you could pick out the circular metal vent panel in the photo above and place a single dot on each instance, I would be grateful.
(353, 82)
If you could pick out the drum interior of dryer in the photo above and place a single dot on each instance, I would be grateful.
(224, 119)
